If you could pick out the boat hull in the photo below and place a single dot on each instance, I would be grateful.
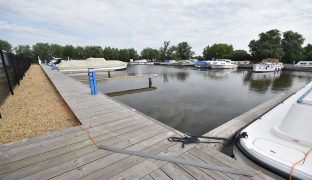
(217, 66)
(266, 68)
(282, 137)
(119, 68)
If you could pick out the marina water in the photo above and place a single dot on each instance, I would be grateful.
(198, 100)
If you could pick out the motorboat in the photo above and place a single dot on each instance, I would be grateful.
(142, 62)
(223, 64)
(168, 62)
(96, 64)
(281, 140)
(304, 64)
(201, 64)
(190, 62)
(268, 65)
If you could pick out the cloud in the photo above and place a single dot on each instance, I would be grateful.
(139, 23)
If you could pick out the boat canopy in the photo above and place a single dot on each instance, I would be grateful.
(201, 63)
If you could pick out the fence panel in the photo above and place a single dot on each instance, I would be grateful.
(12, 70)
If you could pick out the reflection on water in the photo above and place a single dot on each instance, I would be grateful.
(198, 100)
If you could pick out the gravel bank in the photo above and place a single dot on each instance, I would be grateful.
(35, 109)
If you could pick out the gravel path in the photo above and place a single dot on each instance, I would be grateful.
(35, 109)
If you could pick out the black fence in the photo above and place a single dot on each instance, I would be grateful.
(12, 70)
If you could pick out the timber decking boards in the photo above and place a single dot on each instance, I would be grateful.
(70, 154)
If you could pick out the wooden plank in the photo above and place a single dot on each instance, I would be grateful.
(154, 145)
(148, 177)
(211, 173)
(159, 175)
(197, 173)
(27, 141)
(175, 172)
(125, 77)
(210, 160)
(115, 131)
(142, 169)
(228, 161)
(69, 169)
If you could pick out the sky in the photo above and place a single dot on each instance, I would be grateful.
(148, 23)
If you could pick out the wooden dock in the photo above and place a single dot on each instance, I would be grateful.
(71, 154)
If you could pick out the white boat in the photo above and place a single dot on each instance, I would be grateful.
(96, 64)
(222, 64)
(168, 62)
(268, 65)
(281, 140)
(142, 62)
(304, 64)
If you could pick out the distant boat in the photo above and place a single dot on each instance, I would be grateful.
(201, 64)
(304, 64)
(142, 61)
(223, 64)
(96, 64)
(168, 62)
(268, 65)
(190, 62)
(282, 137)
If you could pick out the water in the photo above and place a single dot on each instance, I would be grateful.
(197, 101)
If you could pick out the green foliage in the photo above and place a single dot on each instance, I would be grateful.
(149, 53)
(217, 51)
(268, 46)
(5, 45)
(238, 55)
(68, 51)
(42, 50)
(94, 51)
(111, 53)
(307, 55)
(184, 51)
(133, 54)
(56, 50)
(292, 45)
(164, 51)
(80, 53)
(25, 51)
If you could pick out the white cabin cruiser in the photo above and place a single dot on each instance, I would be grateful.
(281, 140)
(223, 64)
(304, 64)
(268, 65)
(97, 64)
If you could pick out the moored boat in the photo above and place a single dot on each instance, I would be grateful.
(281, 140)
(223, 64)
(201, 64)
(304, 64)
(97, 64)
(268, 65)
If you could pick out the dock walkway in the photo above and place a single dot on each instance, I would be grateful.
(71, 154)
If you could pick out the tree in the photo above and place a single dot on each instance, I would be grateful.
(80, 53)
(133, 54)
(25, 51)
(124, 55)
(238, 55)
(164, 50)
(268, 46)
(5, 45)
(111, 53)
(56, 50)
(184, 51)
(94, 51)
(217, 51)
(307, 55)
(68, 51)
(149, 53)
(42, 50)
(292, 45)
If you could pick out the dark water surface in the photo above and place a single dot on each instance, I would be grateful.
(197, 101)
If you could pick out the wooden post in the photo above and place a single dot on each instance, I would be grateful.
(149, 82)
(109, 76)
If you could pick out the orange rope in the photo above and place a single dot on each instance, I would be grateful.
(93, 140)
(302, 160)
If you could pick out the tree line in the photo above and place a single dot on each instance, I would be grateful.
(287, 46)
